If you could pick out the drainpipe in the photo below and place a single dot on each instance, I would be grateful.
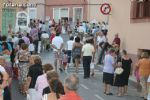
(44, 10)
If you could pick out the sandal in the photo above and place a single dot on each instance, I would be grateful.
(109, 94)
(92, 74)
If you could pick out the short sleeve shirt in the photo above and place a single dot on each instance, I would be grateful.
(87, 49)
(57, 41)
(108, 64)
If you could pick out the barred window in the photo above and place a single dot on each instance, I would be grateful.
(140, 9)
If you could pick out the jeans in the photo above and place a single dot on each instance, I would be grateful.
(36, 45)
(69, 53)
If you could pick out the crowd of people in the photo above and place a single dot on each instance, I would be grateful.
(87, 45)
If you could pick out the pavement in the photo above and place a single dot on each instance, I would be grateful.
(89, 89)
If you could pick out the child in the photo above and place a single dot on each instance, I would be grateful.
(31, 47)
(65, 59)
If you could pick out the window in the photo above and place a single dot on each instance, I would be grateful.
(32, 13)
(56, 14)
(140, 9)
(22, 19)
(78, 14)
(59, 13)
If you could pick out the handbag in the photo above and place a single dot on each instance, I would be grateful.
(92, 65)
(119, 70)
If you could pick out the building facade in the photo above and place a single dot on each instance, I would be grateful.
(16, 14)
(131, 20)
(37, 12)
(66, 9)
(8, 12)
(94, 10)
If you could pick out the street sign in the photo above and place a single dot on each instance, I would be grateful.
(105, 9)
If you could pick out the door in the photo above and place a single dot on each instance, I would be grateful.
(8, 18)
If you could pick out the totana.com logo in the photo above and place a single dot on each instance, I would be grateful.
(26, 5)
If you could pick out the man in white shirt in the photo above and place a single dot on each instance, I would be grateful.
(69, 48)
(57, 45)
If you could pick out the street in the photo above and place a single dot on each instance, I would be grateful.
(89, 89)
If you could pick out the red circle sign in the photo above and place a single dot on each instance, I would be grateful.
(105, 9)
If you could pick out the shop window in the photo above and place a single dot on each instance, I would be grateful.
(140, 9)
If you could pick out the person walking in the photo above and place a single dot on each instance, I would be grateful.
(23, 57)
(144, 72)
(108, 71)
(77, 47)
(69, 49)
(41, 81)
(35, 37)
(35, 70)
(121, 81)
(57, 45)
(88, 54)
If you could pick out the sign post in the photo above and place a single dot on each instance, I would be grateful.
(105, 9)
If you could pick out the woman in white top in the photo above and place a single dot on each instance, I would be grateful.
(88, 52)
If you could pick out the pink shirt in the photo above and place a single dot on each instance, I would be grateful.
(41, 83)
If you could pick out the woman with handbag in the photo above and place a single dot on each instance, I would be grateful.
(122, 78)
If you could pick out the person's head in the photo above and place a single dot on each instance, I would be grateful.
(71, 38)
(47, 67)
(57, 33)
(97, 26)
(52, 74)
(71, 83)
(4, 38)
(35, 59)
(56, 86)
(116, 35)
(112, 51)
(24, 46)
(77, 39)
(90, 41)
(124, 52)
(144, 55)
(5, 46)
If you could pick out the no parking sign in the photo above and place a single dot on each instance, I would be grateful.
(105, 9)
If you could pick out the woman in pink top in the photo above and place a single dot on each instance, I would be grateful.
(41, 81)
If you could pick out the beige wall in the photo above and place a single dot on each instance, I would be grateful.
(94, 10)
(40, 8)
(133, 35)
